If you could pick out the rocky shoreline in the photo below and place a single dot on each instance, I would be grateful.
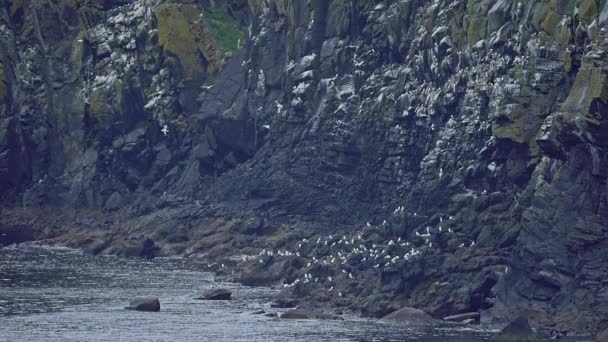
(459, 147)
(350, 272)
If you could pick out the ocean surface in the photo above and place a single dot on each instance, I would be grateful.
(55, 294)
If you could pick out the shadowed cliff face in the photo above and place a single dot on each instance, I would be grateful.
(487, 117)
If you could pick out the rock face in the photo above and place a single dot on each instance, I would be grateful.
(144, 304)
(215, 127)
(409, 316)
(517, 331)
(215, 294)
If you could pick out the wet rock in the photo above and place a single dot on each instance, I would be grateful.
(409, 316)
(10, 234)
(282, 302)
(144, 304)
(215, 294)
(473, 316)
(517, 331)
(305, 314)
(135, 247)
(602, 336)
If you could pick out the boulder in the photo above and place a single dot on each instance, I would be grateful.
(409, 316)
(144, 304)
(305, 314)
(517, 331)
(469, 316)
(215, 294)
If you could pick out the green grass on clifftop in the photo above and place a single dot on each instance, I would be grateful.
(226, 29)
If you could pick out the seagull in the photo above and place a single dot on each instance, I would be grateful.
(165, 130)
(350, 275)
(328, 278)
(330, 289)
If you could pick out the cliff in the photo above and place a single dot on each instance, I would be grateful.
(253, 123)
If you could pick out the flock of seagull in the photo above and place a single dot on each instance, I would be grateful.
(348, 251)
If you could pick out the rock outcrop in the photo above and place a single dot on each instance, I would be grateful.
(409, 316)
(517, 331)
(144, 304)
(473, 131)
(215, 294)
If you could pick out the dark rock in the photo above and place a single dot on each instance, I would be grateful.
(517, 331)
(10, 234)
(215, 294)
(409, 316)
(135, 247)
(602, 336)
(144, 304)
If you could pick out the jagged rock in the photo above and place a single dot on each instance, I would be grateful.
(144, 304)
(317, 118)
(215, 294)
(517, 331)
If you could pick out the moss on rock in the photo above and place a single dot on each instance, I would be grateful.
(182, 34)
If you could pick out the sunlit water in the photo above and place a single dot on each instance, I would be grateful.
(62, 295)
